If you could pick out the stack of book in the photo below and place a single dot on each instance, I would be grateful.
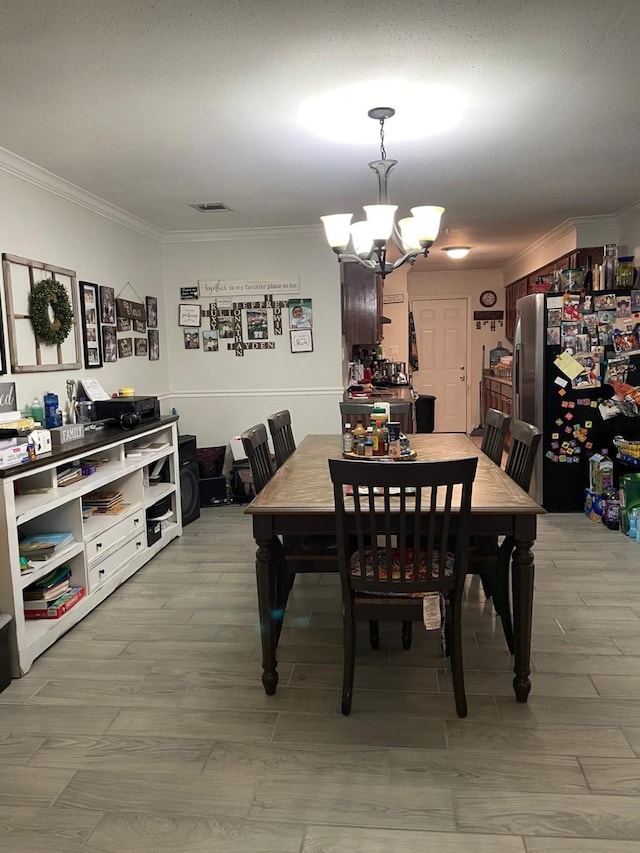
(68, 476)
(52, 595)
(107, 503)
(43, 546)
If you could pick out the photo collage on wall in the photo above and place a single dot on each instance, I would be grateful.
(243, 325)
(124, 328)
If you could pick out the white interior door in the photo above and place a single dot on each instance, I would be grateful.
(441, 335)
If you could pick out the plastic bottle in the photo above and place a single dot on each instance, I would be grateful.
(37, 412)
(51, 407)
(378, 439)
(368, 448)
(347, 439)
(496, 354)
(359, 430)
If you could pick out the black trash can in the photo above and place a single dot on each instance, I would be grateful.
(425, 413)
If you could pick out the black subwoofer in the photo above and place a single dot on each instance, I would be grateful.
(189, 475)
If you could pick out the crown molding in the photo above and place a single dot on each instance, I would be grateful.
(631, 211)
(18, 167)
(242, 234)
(565, 229)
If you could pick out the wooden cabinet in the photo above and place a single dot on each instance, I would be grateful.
(106, 549)
(522, 287)
(361, 304)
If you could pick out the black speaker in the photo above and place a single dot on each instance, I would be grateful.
(189, 475)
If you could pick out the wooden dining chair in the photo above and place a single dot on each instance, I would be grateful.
(495, 562)
(281, 435)
(350, 412)
(397, 514)
(495, 434)
(302, 553)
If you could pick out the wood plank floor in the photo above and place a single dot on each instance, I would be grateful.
(146, 727)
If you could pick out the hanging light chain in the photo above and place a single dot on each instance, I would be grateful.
(383, 151)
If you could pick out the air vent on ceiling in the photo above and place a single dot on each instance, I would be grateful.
(210, 207)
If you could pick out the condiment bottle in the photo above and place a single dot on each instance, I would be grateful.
(368, 447)
(359, 429)
(347, 439)
(378, 439)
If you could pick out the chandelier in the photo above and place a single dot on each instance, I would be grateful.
(366, 241)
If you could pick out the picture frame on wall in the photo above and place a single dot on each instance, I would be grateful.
(152, 311)
(109, 344)
(90, 313)
(107, 305)
(301, 340)
(189, 314)
(123, 324)
(125, 347)
(140, 346)
(154, 344)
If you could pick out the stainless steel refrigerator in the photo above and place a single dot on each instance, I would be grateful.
(566, 412)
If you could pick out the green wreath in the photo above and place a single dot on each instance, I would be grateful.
(45, 295)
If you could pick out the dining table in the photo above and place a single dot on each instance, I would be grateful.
(298, 501)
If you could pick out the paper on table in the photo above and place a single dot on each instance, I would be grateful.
(568, 365)
(94, 390)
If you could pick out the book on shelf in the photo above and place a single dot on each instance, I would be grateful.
(110, 503)
(51, 579)
(42, 546)
(59, 606)
(38, 600)
(152, 447)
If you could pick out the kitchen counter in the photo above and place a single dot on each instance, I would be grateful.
(392, 394)
(501, 379)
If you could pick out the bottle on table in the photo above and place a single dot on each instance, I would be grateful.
(378, 439)
(37, 412)
(359, 430)
(347, 439)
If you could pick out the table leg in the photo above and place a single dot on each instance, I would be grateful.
(522, 581)
(266, 577)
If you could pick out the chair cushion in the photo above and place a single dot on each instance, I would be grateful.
(356, 568)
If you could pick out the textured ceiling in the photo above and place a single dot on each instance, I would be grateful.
(152, 104)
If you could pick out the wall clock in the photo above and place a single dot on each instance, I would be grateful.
(488, 298)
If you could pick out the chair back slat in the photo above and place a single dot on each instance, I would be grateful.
(256, 445)
(282, 436)
(398, 529)
(525, 440)
(495, 433)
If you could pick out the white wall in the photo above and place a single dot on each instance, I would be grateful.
(37, 224)
(469, 284)
(218, 395)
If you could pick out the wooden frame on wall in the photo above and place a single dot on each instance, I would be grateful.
(72, 346)
(90, 311)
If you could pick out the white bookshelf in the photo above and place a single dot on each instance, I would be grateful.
(107, 549)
